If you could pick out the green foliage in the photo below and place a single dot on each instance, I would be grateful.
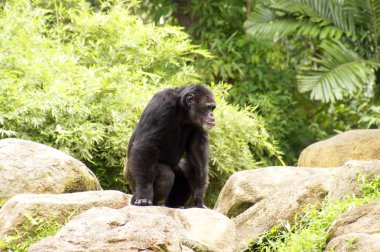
(240, 123)
(78, 78)
(372, 118)
(332, 45)
(247, 144)
(261, 73)
(311, 18)
(370, 187)
(345, 33)
(310, 230)
(341, 72)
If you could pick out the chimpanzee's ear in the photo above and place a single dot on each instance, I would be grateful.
(187, 100)
(190, 99)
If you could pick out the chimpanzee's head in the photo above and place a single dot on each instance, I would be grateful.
(200, 104)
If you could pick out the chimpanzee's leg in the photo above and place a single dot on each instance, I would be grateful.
(141, 173)
(181, 191)
(162, 184)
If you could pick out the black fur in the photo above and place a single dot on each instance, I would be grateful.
(168, 152)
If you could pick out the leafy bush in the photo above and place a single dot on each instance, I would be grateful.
(78, 79)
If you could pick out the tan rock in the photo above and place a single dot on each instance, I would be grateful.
(359, 220)
(355, 242)
(245, 188)
(335, 151)
(357, 230)
(28, 167)
(282, 206)
(17, 213)
(143, 229)
(265, 197)
(347, 178)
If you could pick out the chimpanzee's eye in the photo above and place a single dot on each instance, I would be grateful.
(209, 106)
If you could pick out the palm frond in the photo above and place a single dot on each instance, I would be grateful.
(310, 18)
(271, 28)
(375, 25)
(375, 19)
(328, 12)
(288, 6)
(312, 30)
(265, 23)
(367, 20)
(340, 72)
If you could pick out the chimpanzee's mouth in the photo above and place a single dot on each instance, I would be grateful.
(210, 123)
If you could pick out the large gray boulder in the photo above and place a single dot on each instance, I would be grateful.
(335, 151)
(143, 229)
(357, 230)
(20, 212)
(29, 167)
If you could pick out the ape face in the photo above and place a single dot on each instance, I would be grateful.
(201, 104)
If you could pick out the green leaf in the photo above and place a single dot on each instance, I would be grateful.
(265, 24)
(374, 23)
(310, 18)
(340, 72)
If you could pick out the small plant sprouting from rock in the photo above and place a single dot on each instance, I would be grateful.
(35, 229)
(370, 187)
(2, 203)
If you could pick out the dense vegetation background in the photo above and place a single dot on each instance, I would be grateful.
(309, 67)
(77, 77)
(76, 74)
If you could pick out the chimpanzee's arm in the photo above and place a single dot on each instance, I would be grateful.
(197, 166)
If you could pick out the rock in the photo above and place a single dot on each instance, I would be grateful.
(347, 183)
(358, 220)
(143, 229)
(355, 242)
(28, 167)
(358, 229)
(245, 188)
(262, 198)
(17, 212)
(335, 151)
(281, 207)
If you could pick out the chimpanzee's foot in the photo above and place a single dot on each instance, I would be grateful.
(143, 202)
(201, 205)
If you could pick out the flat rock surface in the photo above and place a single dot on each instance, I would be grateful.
(143, 229)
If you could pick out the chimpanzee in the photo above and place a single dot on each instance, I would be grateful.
(168, 152)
